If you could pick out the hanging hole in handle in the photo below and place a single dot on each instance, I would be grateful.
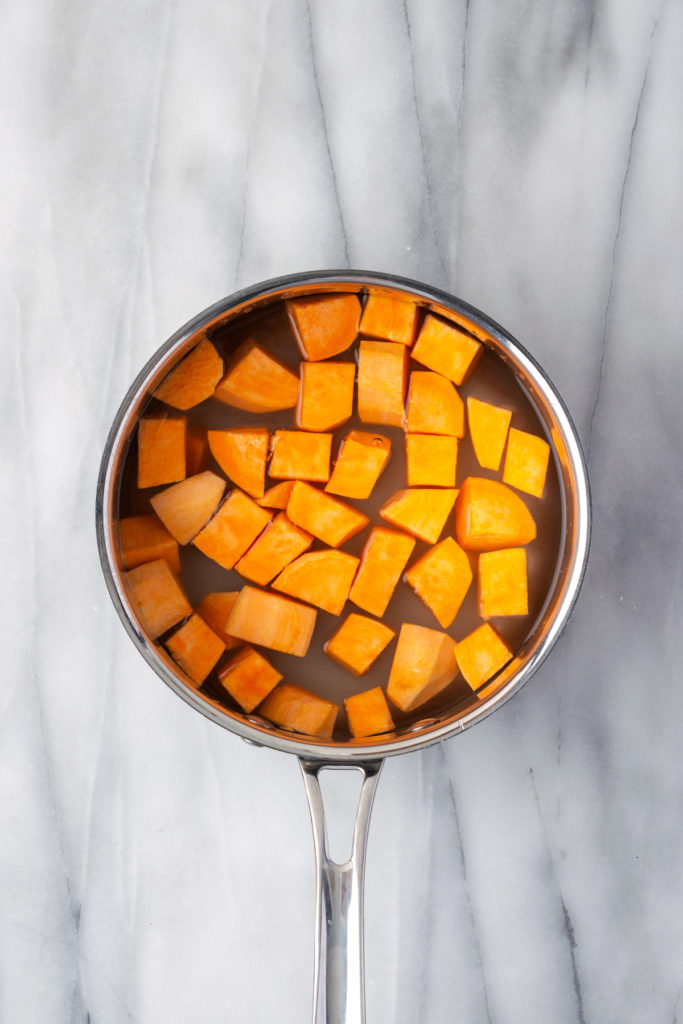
(341, 788)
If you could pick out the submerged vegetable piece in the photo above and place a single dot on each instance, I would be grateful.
(161, 450)
(358, 642)
(431, 460)
(298, 455)
(186, 507)
(248, 678)
(144, 539)
(325, 395)
(322, 578)
(434, 406)
(233, 529)
(292, 707)
(324, 325)
(481, 654)
(330, 520)
(197, 453)
(489, 430)
(441, 578)
(422, 511)
(215, 609)
(382, 375)
(368, 713)
(277, 496)
(270, 620)
(526, 462)
(157, 596)
(279, 544)
(196, 648)
(194, 379)
(424, 664)
(502, 583)
(489, 516)
(360, 462)
(382, 561)
(385, 316)
(445, 348)
(242, 454)
(258, 382)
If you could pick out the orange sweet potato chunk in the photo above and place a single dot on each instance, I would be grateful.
(488, 430)
(424, 664)
(161, 450)
(358, 642)
(431, 460)
(277, 496)
(443, 347)
(233, 529)
(144, 539)
(196, 648)
(383, 559)
(434, 406)
(186, 507)
(422, 511)
(197, 453)
(368, 713)
(385, 316)
(270, 620)
(258, 382)
(330, 520)
(215, 609)
(279, 544)
(382, 377)
(489, 516)
(292, 707)
(157, 596)
(481, 654)
(194, 379)
(442, 577)
(325, 395)
(298, 455)
(324, 325)
(248, 677)
(242, 453)
(361, 460)
(502, 583)
(526, 462)
(322, 578)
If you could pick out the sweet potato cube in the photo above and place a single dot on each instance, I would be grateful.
(322, 578)
(242, 454)
(424, 664)
(442, 577)
(502, 583)
(360, 462)
(445, 348)
(291, 707)
(279, 544)
(383, 559)
(330, 520)
(385, 316)
(144, 539)
(270, 620)
(157, 596)
(324, 325)
(248, 677)
(434, 406)
(431, 460)
(489, 516)
(422, 511)
(358, 642)
(481, 654)
(215, 609)
(161, 450)
(325, 395)
(233, 529)
(382, 376)
(197, 453)
(526, 462)
(298, 455)
(488, 430)
(186, 507)
(368, 713)
(277, 496)
(196, 648)
(258, 382)
(194, 379)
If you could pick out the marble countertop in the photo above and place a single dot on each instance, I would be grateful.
(525, 157)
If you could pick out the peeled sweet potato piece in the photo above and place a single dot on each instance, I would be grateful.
(358, 642)
(442, 577)
(161, 450)
(488, 430)
(157, 596)
(144, 539)
(382, 376)
(481, 654)
(298, 455)
(186, 507)
(434, 406)
(330, 520)
(424, 664)
(242, 453)
(270, 620)
(431, 460)
(279, 544)
(196, 648)
(325, 395)
(443, 347)
(215, 609)
(248, 677)
(194, 379)
(385, 316)
(292, 707)
(322, 578)
(368, 713)
(489, 516)
(422, 511)
(526, 462)
(383, 559)
(258, 382)
(197, 453)
(277, 496)
(233, 529)
(502, 583)
(324, 325)
(360, 462)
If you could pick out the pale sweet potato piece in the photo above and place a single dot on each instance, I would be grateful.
(502, 583)
(270, 620)
(382, 376)
(242, 453)
(324, 325)
(157, 597)
(322, 578)
(291, 707)
(368, 713)
(144, 539)
(431, 460)
(161, 450)
(445, 348)
(215, 609)
(358, 642)
(194, 379)
(186, 507)
(488, 430)
(489, 516)
(196, 648)
(526, 462)
(298, 455)
(422, 511)
(385, 316)
(248, 677)
(233, 529)
(277, 496)
(424, 664)
(330, 520)
(325, 395)
(442, 577)
(279, 544)
(481, 654)
(197, 454)
(361, 460)
(434, 406)
(258, 382)
(383, 559)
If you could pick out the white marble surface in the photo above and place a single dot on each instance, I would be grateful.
(158, 155)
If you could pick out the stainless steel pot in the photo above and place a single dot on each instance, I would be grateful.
(339, 997)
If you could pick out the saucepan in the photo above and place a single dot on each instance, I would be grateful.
(338, 986)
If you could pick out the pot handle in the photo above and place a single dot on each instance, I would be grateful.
(339, 994)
